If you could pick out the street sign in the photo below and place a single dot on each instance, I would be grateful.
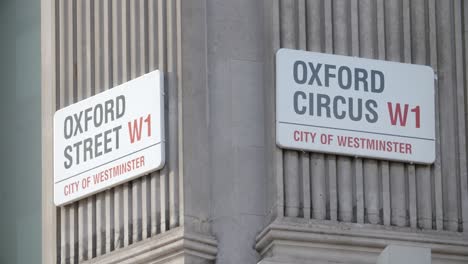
(355, 106)
(110, 138)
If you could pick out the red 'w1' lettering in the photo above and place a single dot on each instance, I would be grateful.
(398, 115)
(417, 112)
(402, 115)
(135, 130)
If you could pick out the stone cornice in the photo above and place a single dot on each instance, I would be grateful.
(303, 231)
(176, 243)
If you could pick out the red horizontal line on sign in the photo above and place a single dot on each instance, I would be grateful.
(78, 174)
(352, 130)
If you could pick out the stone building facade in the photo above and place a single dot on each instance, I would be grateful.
(227, 193)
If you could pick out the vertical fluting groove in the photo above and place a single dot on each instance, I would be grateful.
(314, 25)
(354, 28)
(171, 217)
(89, 221)
(305, 170)
(398, 194)
(423, 172)
(118, 217)
(153, 34)
(127, 215)
(99, 224)
(180, 145)
(126, 73)
(98, 47)
(332, 213)
(108, 216)
(447, 96)
(394, 43)
(135, 72)
(156, 203)
(406, 14)
(301, 25)
(274, 154)
(289, 39)
(144, 36)
(97, 61)
(315, 29)
(359, 190)
(379, 8)
(163, 200)
(136, 210)
(89, 82)
(424, 197)
(89, 29)
(146, 187)
(153, 64)
(62, 72)
(116, 79)
(357, 175)
(58, 236)
(292, 201)
(72, 226)
(145, 207)
(464, 177)
(81, 51)
(63, 235)
(145, 202)
(460, 97)
(116, 58)
(413, 214)
(88, 70)
(319, 186)
(328, 26)
(367, 29)
(134, 34)
(341, 44)
(59, 29)
(107, 70)
(125, 34)
(278, 153)
(386, 198)
(107, 40)
(437, 171)
(153, 205)
(332, 186)
(358, 162)
(81, 43)
(410, 168)
(163, 174)
(172, 95)
(303, 156)
(71, 12)
(372, 192)
(367, 45)
(57, 71)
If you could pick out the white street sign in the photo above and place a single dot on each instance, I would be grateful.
(109, 138)
(354, 106)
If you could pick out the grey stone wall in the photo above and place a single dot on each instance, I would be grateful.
(357, 190)
(88, 47)
(225, 177)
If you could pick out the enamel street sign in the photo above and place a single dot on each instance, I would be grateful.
(354, 106)
(110, 138)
